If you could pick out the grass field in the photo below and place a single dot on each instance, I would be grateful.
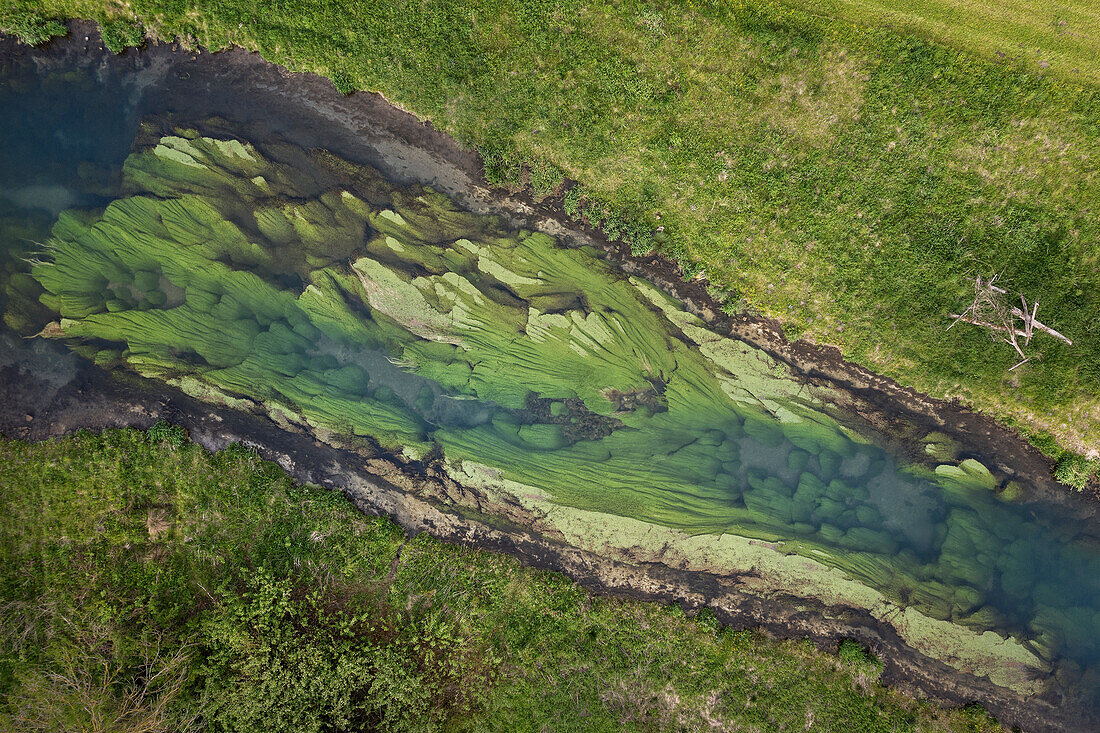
(842, 175)
(150, 585)
(1061, 37)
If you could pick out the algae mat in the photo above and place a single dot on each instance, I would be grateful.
(291, 283)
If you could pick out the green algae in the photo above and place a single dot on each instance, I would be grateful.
(773, 570)
(292, 283)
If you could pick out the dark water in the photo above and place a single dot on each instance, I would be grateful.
(623, 416)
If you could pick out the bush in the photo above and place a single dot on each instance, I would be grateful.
(502, 168)
(118, 35)
(571, 202)
(307, 654)
(343, 82)
(33, 29)
(1073, 470)
(850, 651)
(546, 178)
(165, 432)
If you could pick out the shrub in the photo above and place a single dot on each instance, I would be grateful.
(571, 202)
(343, 81)
(165, 432)
(1073, 470)
(546, 178)
(852, 652)
(32, 29)
(312, 654)
(118, 35)
(502, 168)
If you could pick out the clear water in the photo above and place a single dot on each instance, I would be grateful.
(681, 443)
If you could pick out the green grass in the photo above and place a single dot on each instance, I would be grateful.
(845, 178)
(1059, 37)
(150, 585)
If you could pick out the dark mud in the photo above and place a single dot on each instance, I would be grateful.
(45, 391)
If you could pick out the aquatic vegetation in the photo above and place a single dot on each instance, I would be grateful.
(292, 283)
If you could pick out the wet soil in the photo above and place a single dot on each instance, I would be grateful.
(45, 391)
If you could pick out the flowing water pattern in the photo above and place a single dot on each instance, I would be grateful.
(288, 281)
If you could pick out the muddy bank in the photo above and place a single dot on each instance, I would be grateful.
(50, 392)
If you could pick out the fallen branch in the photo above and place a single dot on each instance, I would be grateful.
(992, 326)
(989, 310)
(1047, 329)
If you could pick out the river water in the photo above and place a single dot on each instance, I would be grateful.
(159, 224)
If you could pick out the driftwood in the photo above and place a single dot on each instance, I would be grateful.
(990, 309)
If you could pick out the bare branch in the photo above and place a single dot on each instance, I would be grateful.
(989, 310)
(992, 326)
(1046, 329)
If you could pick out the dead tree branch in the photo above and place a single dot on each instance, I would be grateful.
(989, 309)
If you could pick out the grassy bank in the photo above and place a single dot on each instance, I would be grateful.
(150, 585)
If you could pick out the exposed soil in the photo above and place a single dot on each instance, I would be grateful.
(46, 392)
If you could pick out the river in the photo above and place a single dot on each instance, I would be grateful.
(174, 224)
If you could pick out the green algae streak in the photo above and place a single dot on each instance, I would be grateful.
(295, 284)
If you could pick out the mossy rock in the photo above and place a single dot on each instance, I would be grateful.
(797, 460)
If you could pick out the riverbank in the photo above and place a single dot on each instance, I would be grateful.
(418, 488)
(921, 133)
(146, 554)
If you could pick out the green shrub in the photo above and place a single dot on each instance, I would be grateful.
(118, 35)
(343, 81)
(165, 432)
(571, 202)
(310, 654)
(978, 720)
(852, 652)
(546, 178)
(502, 169)
(32, 29)
(1073, 469)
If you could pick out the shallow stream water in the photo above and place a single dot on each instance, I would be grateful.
(159, 224)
